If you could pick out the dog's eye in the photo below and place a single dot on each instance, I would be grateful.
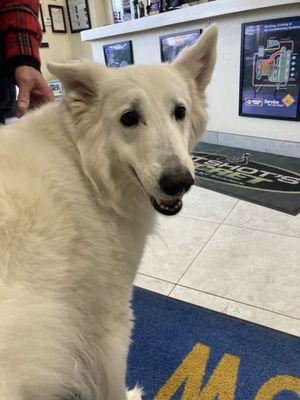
(130, 118)
(179, 112)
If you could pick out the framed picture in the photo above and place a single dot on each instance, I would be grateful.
(41, 19)
(171, 45)
(57, 16)
(270, 69)
(79, 15)
(118, 55)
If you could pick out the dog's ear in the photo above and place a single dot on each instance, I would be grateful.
(79, 80)
(199, 59)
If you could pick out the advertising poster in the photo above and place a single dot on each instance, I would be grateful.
(270, 69)
(118, 55)
(171, 45)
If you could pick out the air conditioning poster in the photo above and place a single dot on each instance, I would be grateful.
(270, 69)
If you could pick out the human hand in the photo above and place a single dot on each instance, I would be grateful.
(33, 89)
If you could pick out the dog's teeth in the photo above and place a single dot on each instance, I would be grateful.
(169, 206)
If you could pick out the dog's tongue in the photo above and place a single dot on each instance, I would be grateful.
(170, 207)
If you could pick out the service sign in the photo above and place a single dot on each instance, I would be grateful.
(270, 69)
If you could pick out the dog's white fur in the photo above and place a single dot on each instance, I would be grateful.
(74, 219)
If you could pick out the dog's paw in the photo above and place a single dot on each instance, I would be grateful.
(135, 394)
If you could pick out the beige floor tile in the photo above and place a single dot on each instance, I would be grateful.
(207, 205)
(153, 284)
(176, 243)
(257, 268)
(253, 216)
(238, 310)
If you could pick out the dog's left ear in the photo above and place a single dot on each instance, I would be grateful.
(80, 80)
(199, 59)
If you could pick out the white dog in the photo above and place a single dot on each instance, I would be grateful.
(79, 185)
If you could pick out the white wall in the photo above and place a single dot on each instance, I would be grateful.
(59, 43)
(79, 50)
(66, 46)
(223, 92)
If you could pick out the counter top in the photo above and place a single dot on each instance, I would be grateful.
(186, 14)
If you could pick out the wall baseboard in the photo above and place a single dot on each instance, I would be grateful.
(281, 147)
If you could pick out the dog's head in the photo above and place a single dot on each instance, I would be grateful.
(141, 121)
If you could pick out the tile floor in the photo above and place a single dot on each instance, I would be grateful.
(230, 256)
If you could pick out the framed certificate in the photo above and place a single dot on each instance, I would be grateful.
(57, 16)
(79, 15)
(270, 74)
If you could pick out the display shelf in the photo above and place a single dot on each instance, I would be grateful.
(193, 13)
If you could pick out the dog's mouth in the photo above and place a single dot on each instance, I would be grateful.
(170, 207)
(165, 207)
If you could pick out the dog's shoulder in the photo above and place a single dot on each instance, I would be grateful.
(39, 183)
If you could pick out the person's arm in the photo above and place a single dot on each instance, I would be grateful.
(21, 33)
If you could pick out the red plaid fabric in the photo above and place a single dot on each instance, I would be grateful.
(20, 28)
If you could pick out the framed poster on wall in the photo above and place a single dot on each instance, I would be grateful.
(57, 16)
(79, 15)
(118, 55)
(270, 69)
(171, 45)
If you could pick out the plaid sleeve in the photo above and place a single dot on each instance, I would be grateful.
(21, 31)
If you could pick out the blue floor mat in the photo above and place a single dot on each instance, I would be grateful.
(181, 351)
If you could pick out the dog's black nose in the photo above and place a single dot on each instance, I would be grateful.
(176, 183)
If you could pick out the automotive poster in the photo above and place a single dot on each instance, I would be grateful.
(270, 69)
